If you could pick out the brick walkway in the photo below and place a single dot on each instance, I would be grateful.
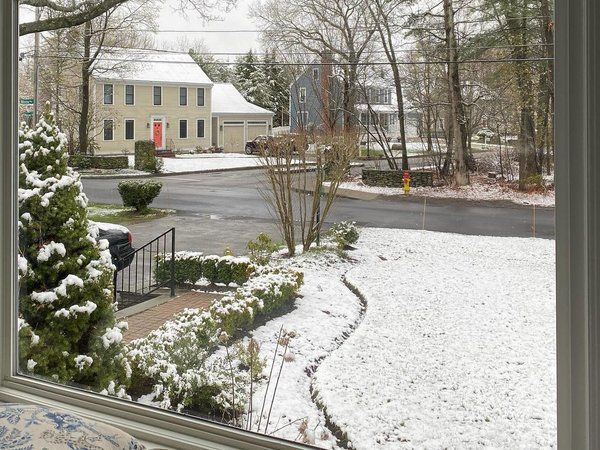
(142, 323)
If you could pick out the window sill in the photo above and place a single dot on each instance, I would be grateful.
(157, 429)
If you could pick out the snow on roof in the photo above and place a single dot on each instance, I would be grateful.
(226, 99)
(149, 66)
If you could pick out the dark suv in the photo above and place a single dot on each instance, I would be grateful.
(259, 144)
(119, 243)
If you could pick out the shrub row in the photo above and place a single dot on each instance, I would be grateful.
(177, 361)
(193, 266)
(98, 162)
(145, 157)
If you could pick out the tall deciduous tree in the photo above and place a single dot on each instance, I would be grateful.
(67, 13)
(385, 18)
(339, 29)
(458, 139)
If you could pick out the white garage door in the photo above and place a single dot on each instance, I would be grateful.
(255, 128)
(233, 136)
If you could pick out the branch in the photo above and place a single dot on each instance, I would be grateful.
(69, 20)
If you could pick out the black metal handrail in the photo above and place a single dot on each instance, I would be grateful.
(136, 281)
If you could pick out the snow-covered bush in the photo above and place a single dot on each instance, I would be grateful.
(67, 328)
(177, 362)
(139, 194)
(190, 267)
(343, 233)
(261, 249)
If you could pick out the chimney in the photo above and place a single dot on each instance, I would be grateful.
(325, 81)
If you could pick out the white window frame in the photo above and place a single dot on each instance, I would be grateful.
(104, 130)
(203, 128)
(161, 95)
(577, 248)
(186, 95)
(112, 94)
(302, 95)
(187, 129)
(125, 129)
(315, 73)
(198, 90)
(125, 95)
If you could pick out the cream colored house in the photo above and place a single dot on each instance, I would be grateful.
(167, 98)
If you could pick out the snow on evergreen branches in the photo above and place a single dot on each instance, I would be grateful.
(65, 276)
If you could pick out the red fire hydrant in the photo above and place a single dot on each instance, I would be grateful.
(406, 181)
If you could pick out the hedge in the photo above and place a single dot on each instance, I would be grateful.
(145, 156)
(178, 359)
(98, 162)
(193, 266)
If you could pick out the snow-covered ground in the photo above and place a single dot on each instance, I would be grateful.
(456, 348)
(479, 189)
(207, 162)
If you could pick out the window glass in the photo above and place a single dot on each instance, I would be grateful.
(183, 128)
(108, 129)
(129, 94)
(251, 298)
(129, 128)
(108, 94)
(183, 96)
(302, 95)
(157, 96)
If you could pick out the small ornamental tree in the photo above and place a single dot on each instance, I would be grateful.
(67, 326)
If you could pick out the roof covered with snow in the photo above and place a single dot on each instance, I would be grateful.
(226, 99)
(149, 66)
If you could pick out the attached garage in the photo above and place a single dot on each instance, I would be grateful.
(256, 128)
(235, 120)
(233, 136)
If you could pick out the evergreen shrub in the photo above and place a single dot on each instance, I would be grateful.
(139, 194)
(145, 157)
(344, 234)
(67, 326)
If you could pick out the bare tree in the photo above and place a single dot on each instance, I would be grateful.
(457, 109)
(385, 17)
(301, 186)
(341, 29)
(67, 13)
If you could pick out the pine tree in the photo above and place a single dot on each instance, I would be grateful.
(68, 331)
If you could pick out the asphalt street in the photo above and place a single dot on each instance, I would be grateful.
(220, 209)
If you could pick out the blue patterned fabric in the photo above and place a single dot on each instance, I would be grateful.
(28, 427)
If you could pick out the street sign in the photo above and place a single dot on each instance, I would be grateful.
(28, 113)
(25, 101)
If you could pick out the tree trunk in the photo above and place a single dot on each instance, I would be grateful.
(457, 110)
(546, 106)
(517, 27)
(85, 90)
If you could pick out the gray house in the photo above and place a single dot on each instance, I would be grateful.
(316, 100)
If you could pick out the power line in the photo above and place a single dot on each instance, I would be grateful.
(358, 64)
(295, 53)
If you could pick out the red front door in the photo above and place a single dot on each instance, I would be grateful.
(157, 134)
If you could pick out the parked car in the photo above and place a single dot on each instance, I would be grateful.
(119, 243)
(263, 144)
(259, 144)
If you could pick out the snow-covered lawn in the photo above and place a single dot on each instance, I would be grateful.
(456, 347)
(207, 162)
(480, 189)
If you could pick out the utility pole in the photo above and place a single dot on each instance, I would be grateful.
(36, 68)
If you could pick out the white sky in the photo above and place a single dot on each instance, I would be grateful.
(232, 42)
